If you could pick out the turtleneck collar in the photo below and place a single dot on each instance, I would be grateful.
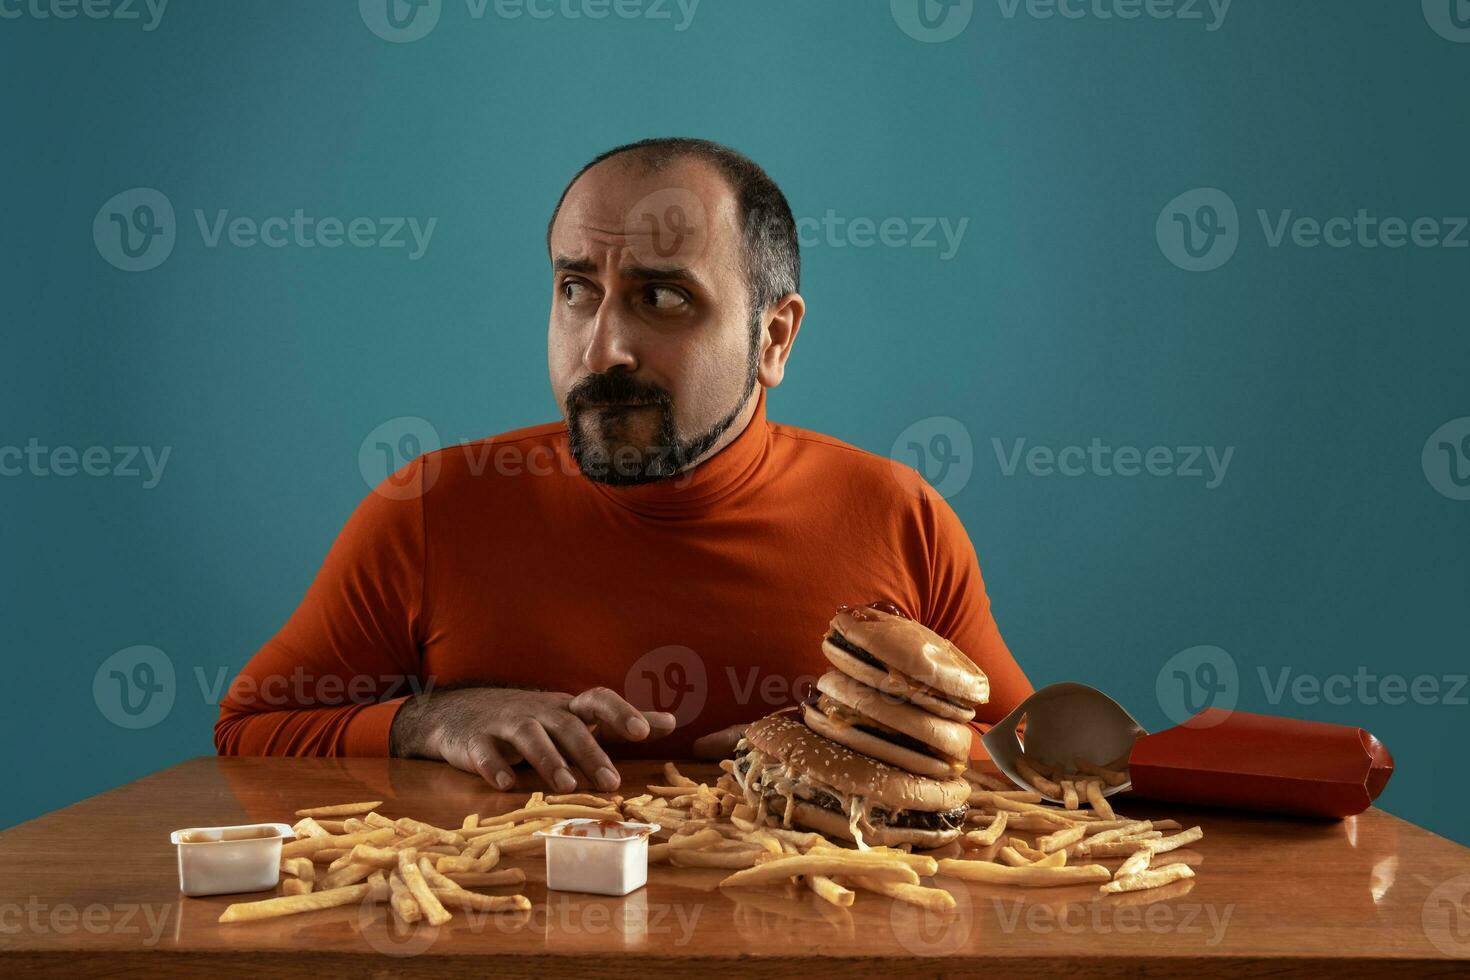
(696, 490)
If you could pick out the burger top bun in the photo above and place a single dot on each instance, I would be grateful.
(784, 736)
(914, 650)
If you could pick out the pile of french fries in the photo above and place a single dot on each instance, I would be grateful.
(1061, 835)
(350, 853)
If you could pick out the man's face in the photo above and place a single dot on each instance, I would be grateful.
(649, 344)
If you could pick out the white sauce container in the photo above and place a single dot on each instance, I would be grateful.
(226, 860)
(597, 857)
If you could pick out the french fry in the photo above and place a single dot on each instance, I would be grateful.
(270, 908)
(347, 875)
(461, 899)
(338, 827)
(584, 799)
(1135, 864)
(659, 853)
(308, 827)
(488, 879)
(1100, 805)
(554, 811)
(413, 877)
(328, 855)
(523, 845)
(340, 810)
(1026, 850)
(996, 802)
(830, 891)
(465, 863)
(922, 864)
(701, 838)
(1028, 772)
(1148, 879)
(691, 858)
(405, 907)
(376, 819)
(295, 886)
(821, 862)
(674, 777)
(352, 825)
(1126, 848)
(986, 781)
(1009, 855)
(1112, 777)
(470, 822)
(504, 832)
(1116, 833)
(299, 868)
(307, 846)
(997, 874)
(1069, 794)
(933, 899)
(1060, 839)
(408, 826)
(988, 836)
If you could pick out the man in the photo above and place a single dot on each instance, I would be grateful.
(664, 544)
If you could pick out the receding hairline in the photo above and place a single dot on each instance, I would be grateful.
(642, 161)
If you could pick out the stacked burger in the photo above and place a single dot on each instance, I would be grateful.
(875, 756)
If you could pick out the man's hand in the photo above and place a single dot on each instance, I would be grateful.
(718, 745)
(488, 730)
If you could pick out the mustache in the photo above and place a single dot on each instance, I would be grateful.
(616, 387)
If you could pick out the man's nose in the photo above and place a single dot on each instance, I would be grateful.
(610, 344)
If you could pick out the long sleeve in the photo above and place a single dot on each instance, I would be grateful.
(330, 682)
(958, 607)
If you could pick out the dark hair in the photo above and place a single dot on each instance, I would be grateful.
(772, 256)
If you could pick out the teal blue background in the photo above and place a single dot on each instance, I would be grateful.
(1059, 319)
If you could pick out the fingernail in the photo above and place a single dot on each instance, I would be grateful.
(563, 782)
(607, 779)
(504, 779)
(638, 728)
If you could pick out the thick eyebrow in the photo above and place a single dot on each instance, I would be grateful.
(643, 273)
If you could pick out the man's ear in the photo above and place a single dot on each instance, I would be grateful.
(782, 321)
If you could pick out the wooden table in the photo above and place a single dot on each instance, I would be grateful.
(91, 890)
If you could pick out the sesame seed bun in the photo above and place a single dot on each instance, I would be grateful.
(783, 736)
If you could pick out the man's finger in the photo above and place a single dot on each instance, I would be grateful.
(485, 756)
(532, 742)
(661, 723)
(720, 744)
(572, 735)
(614, 715)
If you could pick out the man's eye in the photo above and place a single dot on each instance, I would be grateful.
(664, 297)
(573, 291)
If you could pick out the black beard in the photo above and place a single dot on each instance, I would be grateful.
(631, 465)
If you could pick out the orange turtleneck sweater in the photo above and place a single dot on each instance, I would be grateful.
(706, 595)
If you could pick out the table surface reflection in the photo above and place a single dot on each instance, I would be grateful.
(92, 890)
